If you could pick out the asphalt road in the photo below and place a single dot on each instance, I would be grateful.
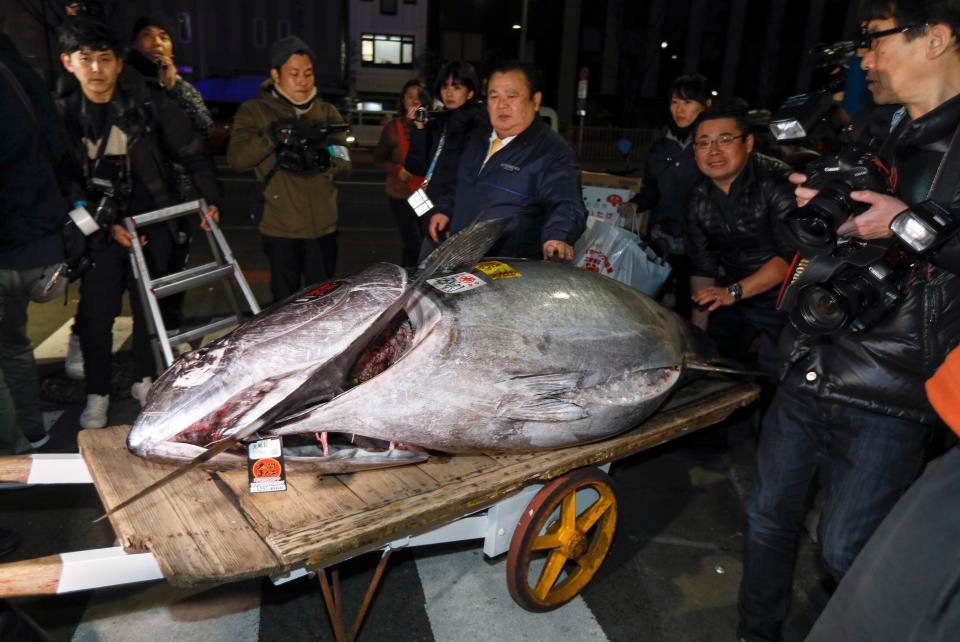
(672, 574)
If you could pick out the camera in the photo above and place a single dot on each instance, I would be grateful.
(851, 296)
(812, 228)
(301, 147)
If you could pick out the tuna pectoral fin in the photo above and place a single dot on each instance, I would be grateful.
(537, 398)
(459, 253)
(719, 367)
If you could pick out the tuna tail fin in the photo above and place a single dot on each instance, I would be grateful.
(459, 253)
(723, 367)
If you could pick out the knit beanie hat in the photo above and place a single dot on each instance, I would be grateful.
(153, 19)
(282, 49)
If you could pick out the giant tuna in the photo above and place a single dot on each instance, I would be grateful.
(546, 357)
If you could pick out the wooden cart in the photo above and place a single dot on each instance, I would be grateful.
(206, 528)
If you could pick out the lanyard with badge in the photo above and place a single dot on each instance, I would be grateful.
(419, 200)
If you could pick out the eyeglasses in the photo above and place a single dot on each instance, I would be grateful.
(868, 38)
(723, 140)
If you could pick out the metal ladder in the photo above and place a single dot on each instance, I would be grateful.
(223, 267)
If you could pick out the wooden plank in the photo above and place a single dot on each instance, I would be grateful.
(447, 469)
(326, 543)
(197, 534)
(308, 498)
(39, 576)
(15, 468)
(380, 487)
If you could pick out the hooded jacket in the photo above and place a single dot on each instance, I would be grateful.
(295, 206)
(883, 369)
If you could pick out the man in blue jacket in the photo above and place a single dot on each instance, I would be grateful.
(518, 168)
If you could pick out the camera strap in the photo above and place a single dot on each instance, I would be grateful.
(436, 157)
(948, 173)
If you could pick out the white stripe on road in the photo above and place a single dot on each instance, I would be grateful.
(54, 347)
(162, 612)
(466, 598)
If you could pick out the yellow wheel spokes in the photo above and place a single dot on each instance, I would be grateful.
(549, 575)
(551, 526)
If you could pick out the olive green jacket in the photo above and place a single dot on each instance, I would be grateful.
(295, 206)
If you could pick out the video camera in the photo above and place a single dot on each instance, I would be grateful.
(301, 145)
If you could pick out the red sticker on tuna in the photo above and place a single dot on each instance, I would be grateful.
(317, 292)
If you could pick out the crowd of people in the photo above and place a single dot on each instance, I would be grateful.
(846, 407)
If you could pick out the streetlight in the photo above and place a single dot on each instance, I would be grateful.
(664, 44)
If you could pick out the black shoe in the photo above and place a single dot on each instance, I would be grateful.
(9, 541)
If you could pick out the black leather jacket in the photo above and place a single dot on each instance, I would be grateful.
(884, 368)
(731, 250)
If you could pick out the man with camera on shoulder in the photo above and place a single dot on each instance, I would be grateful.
(874, 309)
(282, 135)
(121, 138)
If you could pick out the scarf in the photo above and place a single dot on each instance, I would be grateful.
(301, 107)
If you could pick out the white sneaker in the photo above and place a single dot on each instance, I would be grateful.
(140, 390)
(73, 365)
(95, 413)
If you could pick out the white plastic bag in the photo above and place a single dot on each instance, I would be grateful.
(622, 255)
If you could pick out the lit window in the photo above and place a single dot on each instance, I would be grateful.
(386, 50)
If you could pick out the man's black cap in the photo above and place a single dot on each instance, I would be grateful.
(282, 49)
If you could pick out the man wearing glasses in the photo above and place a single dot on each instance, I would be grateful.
(738, 260)
(854, 401)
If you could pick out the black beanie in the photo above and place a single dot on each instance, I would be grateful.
(153, 19)
(282, 49)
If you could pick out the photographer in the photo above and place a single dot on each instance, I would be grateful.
(280, 135)
(853, 399)
(122, 136)
(439, 138)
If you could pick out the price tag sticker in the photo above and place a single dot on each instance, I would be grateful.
(497, 270)
(266, 470)
(456, 283)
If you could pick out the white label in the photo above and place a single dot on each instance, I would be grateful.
(339, 151)
(456, 282)
(265, 448)
(420, 202)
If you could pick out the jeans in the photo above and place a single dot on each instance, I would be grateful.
(293, 260)
(733, 329)
(870, 461)
(19, 386)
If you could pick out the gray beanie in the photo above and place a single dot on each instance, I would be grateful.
(282, 49)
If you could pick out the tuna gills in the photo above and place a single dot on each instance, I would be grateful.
(550, 356)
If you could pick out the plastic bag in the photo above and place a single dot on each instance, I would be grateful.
(622, 255)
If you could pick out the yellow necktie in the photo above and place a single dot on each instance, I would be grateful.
(494, 147)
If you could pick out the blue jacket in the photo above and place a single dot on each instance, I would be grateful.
(534, 181)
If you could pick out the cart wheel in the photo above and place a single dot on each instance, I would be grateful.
(563, 550)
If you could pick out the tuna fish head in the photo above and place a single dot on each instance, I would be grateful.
(266, 367)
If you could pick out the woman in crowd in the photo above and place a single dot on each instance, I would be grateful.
(669, 175)
(391, 153)
(437, 144)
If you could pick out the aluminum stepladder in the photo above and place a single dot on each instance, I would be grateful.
(223, 268)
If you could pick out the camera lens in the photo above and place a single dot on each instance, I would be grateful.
(819, 310)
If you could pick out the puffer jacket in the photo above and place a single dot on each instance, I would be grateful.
(295, 206)
(730, 251)
(534, 181)
(670, 173)
(883, 369)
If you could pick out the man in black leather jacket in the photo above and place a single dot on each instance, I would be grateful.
(855, 401)
(731, 225)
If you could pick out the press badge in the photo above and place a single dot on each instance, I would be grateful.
(265, 468)
(420, 202)
(339, 151)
